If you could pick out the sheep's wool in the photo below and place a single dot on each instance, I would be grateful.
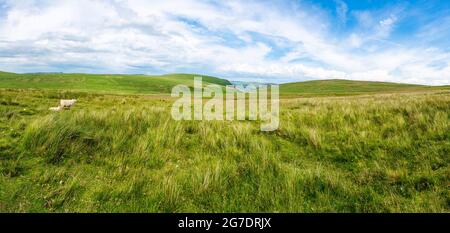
(67, 103)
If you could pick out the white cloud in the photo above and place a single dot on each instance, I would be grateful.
(176, 35)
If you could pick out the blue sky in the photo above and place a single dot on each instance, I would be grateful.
(269, 41)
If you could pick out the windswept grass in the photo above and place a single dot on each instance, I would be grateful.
(381, 153)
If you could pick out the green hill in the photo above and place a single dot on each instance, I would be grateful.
(349, 87)
(121, 84)
(162, 84)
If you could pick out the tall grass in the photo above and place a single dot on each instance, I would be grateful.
(381, 153)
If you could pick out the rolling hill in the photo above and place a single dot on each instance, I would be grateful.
(126, 153)
(119, 84)
(162, 84)
(350, 87)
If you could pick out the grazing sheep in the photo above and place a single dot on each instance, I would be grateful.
(63, 104)
(55, 109)
(67, 103)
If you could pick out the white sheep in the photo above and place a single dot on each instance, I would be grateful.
(63, 104)
(55, 109)
(67, 103)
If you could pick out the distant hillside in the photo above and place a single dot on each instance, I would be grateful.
(349, 87)
(157, 84)
(127, 84)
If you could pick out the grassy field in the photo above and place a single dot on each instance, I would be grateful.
(124, 153)
(100, 83)
(349, 87)
(162, 84)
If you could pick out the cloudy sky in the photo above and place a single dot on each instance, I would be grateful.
(272, 41)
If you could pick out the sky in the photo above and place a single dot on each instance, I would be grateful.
(265, 41)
